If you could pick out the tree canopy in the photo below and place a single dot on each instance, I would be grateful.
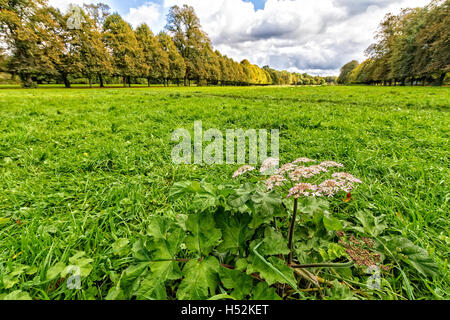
(413, 46)
(42, 44)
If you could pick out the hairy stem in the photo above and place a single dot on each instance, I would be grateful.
(291, 232)
(322, 265)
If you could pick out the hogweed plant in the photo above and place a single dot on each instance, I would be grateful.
(239, 240)
(304, 178)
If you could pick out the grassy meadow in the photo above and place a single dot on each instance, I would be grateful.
(82, 169)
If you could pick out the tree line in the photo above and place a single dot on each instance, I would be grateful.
(42, 45)
(412, 47)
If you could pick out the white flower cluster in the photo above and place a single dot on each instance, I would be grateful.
(242, 170)
(275, 181)
(303, 190)
(269, 164)
(341, 182)
(306, 172)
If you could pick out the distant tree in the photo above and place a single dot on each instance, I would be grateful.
(191, 42)
(155, 57)
(177, 67)
(127, 55)
(433, 42)
(346, 71)
(98, 13)
(27, 28)
(95, 58)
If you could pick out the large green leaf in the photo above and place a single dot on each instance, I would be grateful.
(284, 274)
(235, 231)
(240, 282)
(164, 247)
(151, 288)
(414, 256)
(264, 206)
(265, 293)
(241, 196)
(332, 223)
(200, 279)
(373, 226)
(17, 295)
(274, 243)
(204, 235)
(183, 188)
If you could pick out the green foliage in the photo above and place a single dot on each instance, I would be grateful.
(411, 46)
(76, 185)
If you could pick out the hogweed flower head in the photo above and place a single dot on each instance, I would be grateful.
(332, 187)
(331, 164)
(347, 177)
(303, 160)
(306, 172)
(242, 170)
(269, 164)
(303, 190)
(275, 181)
(286, 168)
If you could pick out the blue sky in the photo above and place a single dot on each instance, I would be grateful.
(314, 36)
(124, 6)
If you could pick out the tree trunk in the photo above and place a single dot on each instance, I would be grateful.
(442, 78)
(28, 83)
(66, 82)
(185, 81)
(124, 81)
(100, 77)
(90, 82)
(129, 81)
(148, 82)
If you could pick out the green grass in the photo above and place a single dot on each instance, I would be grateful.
(82, 168)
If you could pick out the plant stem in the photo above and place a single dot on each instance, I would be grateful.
(322, 265)
(291, 231)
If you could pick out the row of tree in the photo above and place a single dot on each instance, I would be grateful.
(412, 47)
(44, 44)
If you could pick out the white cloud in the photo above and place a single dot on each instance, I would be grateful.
(64, 4)
(316, 36)
(149, 13)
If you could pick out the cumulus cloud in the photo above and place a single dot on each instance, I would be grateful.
(149, 13)
(316, 36)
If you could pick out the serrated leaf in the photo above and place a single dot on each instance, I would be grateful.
(183, 188)
(263, 292)
(414, 255)
(256, 265)
(55, 271)
(151, 288)
(241, 264)
(166, 249)
(373, 226)
(332, 223)
(200, 279)
(120, 247)
(241, 196)
(17, 295)
(204, 235)
(129, 281)
(274, 243)
(240, 282)
(264, 206)
(235, 231)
